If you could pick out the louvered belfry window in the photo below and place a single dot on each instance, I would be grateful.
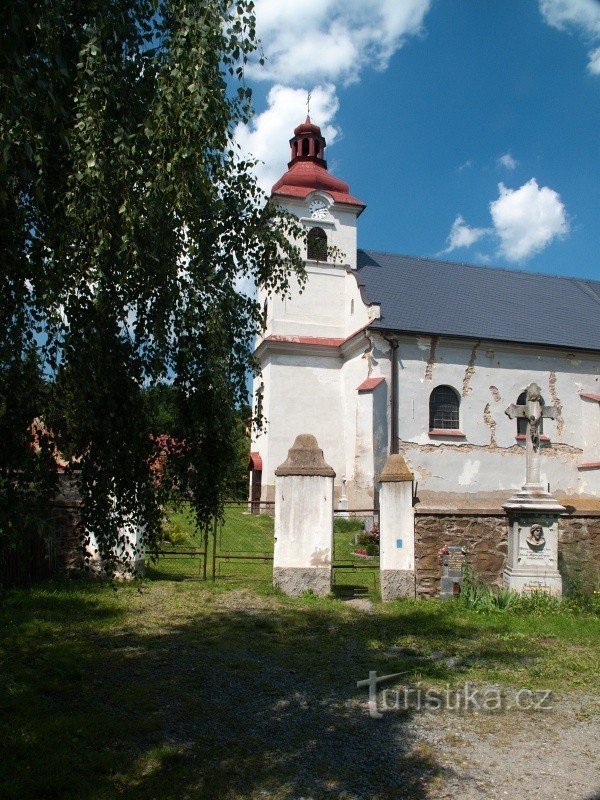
(443, 409)
(317, 245)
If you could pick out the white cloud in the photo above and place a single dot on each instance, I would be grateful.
(463, 235)
(332, 40)
(267, 136)
(527, 219)
(507, 161)
(465, 165)
(579, 15)
(594, 63)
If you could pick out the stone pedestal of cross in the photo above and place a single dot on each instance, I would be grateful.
(532, 563)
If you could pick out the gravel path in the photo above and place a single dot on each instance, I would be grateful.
(521, 757)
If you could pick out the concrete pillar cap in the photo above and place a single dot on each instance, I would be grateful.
(305, 457)
(395, 470)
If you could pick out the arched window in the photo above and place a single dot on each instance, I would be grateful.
(265, 312)
(305, 147)
(317, 245)
(443, 409)
(521, 421)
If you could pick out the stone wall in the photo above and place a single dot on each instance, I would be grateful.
(484, 535)
(579, 551)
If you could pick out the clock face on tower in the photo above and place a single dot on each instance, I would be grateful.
(318, 209)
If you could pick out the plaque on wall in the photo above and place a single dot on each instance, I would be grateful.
(453, 560)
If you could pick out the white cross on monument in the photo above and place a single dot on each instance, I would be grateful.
(533, 411)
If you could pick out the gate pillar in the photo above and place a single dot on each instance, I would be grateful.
(396, 530)
(303, 520)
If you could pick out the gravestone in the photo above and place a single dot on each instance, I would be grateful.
(453, 561)
(533, 512)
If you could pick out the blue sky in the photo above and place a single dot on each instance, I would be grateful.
(470, 129)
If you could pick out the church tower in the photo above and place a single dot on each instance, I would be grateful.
(300, 389)
(322, 201)
(329, 213)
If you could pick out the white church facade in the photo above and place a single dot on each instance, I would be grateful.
(385, 353)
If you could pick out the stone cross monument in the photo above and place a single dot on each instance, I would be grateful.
(533, 512)
(534, 412)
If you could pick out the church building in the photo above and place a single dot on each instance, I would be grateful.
(383, 353)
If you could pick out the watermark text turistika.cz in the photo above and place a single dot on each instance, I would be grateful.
(464, 699)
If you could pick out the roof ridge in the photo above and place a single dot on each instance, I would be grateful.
(583, 285)
(486, 267)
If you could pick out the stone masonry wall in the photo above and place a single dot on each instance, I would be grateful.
(579, 551)
(484, 537)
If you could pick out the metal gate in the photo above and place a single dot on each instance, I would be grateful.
(240, 547)
(355, 568)
(183, 553)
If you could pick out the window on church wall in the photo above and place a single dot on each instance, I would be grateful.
(443, 409)
(316, 249)
(521, 421)
(305, 147)
(265, 312)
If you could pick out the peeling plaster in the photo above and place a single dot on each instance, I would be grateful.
(495, 393)
(560, 423)
(491, 423)
(368, 356)
(470, 369)
(469, 472)
(320, 557)
(550, 449)
(431, 360)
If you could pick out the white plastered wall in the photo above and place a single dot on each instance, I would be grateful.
(488, 377)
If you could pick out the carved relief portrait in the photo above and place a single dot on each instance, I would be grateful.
(536, 536)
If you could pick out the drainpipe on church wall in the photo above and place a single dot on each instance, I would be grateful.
(393, 343)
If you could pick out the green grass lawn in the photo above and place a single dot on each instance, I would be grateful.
(188, 690)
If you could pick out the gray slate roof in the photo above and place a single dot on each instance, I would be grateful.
(423, 295)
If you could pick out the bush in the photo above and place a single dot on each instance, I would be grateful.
(369, 540)
(347, 525)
